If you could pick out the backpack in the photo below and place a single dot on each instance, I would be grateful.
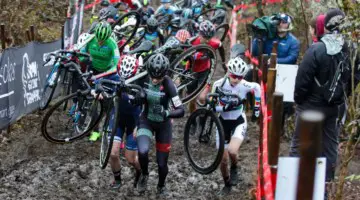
(264, 26)
(334, 89)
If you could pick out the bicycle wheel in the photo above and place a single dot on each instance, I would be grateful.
(187, 80)
(49, 89)
(61, 125)
(204, 143)
(108, 131)
(130, 30)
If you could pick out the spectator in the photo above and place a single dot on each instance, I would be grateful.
(289, 46)
(312, 88)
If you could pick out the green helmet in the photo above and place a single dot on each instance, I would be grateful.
(103, 31)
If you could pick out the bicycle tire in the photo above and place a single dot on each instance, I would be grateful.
(138, 19)
(189, 52)
(44, 105)
(216, 120)
(105, 153)
(45, 121)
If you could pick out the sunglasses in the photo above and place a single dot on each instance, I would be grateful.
(236, 76)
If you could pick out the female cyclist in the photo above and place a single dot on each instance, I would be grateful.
(155, 119)
(233, 117)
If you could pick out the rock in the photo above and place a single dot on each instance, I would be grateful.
(192, 180)
(214, 186)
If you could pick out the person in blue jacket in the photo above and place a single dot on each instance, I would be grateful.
(165, 8)
(287, 52)
(288, 45)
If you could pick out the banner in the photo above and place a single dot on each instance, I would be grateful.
(73, 27)
(22, 78)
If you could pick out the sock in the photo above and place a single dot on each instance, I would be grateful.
(117, 176)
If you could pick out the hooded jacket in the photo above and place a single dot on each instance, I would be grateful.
(318, 62)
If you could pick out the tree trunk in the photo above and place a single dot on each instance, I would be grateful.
(259, 8)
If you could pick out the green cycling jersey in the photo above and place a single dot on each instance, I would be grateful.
(104, 57)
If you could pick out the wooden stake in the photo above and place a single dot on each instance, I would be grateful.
(275, 47)
(32, 31)
(2, 31)
(275, 129)
(28, 35)
(270, 86)
(310, 148)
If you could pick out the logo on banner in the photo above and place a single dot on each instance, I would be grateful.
(30, 80)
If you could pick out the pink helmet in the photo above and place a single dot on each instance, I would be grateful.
(182, 35)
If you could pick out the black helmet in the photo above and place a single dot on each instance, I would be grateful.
(105, 3)
(237, 50)
(157, 65)
(207, 29)
(152, 24)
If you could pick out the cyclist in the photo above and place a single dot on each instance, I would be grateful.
(155, 119)
(202, 61)
(129, 116)
(152, 33)
(146, 11)
(233, 117)
(104, 54)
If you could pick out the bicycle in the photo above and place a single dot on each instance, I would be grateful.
(55, 73)
(80, 107)
(204, 136)
(111, 99)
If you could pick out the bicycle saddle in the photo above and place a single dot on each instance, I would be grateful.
(145, 46)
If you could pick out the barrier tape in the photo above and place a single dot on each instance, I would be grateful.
(268, 188)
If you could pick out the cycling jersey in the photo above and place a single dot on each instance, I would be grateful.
(241, 89)
(202, 63)
(105, 57)
(161, 95)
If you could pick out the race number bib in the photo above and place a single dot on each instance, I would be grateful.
(176, 101)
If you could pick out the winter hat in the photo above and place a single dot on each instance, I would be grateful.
(333, 19)
(320, 22)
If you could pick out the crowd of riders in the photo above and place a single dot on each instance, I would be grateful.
(142, 118)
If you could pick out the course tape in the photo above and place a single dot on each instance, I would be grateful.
(268, 187)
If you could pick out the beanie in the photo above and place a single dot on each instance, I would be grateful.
(333, 19)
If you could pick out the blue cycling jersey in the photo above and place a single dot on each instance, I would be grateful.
(162, 10)
(151, 36)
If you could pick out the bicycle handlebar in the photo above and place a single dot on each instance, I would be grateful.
(121, 84)
(219, 93)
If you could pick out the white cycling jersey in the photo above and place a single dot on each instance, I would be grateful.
(241, 89)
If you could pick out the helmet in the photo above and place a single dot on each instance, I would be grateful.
(182, 35)
(82, 38)
(237, 66)
(284, 18)
(157, 65)
(187, 13)
(145, 2)
(237, 50)
(105, 3)
(165, 1)
(207, 29)
(103, 31)
(152, 24)
(127, 67)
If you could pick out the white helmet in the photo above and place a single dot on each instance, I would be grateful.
(237, 66)
(128, 66)
(82, 38)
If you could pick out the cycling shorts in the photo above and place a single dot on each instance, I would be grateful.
(233, 129)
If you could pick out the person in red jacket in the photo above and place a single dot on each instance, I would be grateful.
(202, 62)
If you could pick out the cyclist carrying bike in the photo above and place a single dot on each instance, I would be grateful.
(233, 117)
(146, 11)
(129, 117)
(155, 119)
(104, 54)
(152, 33)
(202, 61)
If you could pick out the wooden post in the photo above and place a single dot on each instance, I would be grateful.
(2, 31)
(8, 130)
(28, 35)
(261, 174)
(32, 32)
(310, 148)
(275, 47)
(275, 130)
(62, 37)
(264, 67)
(273, 58)
(270, 86)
